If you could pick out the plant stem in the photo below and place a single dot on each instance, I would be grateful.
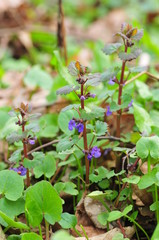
(25, 154)
(85, 141)
(132, 220)
(40, 232)
(119, 112)
(120, 94)
(85, 234)
(47, 230)
(157, 207)
(149, 163)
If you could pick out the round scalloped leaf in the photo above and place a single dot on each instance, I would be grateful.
(61, 234)
(42, 200)
(68, 220)
(12, 184)
(37, 77)
(146, 146)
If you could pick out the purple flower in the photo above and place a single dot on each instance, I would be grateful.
(92, 95)
(95, 152)
(20, 170)
(31, 140)
(71, 125)
(80, 127)
(82, 97)
(130, 104)
(108, 113)
(111, 81)
(89, 157)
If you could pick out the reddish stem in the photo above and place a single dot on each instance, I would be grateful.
(121, 228)
(25, 153)
(119, 112)
(85, 141)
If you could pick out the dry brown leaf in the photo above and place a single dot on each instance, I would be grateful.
(110, 234)
(143, 195)
(2, 235)
(93, 209)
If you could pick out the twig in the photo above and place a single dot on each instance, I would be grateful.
(43, 146)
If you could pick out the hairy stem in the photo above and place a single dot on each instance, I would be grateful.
(119, 112)
(25, 155)
(85, 141)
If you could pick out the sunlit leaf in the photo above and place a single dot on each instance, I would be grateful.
(111, 48)
(130, 56)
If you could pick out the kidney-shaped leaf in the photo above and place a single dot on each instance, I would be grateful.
(148, 145)
(42, 200)
(12, 184)
(31, 236)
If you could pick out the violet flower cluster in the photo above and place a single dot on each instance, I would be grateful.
(20, 170)
(94, 152)
(77, 125)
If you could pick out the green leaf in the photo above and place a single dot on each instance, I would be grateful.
(142, 119)
(114, 215)
(48, 125)
(37, 159)
(119, 236)
(15, 137)
(63, 120)
(156, 233)
(100, 173)
(132, 179)
(12, 185)
(16, 156)
(70, 107)
(12, 223)
(101, 128)
(63, 70)
(11, 208)
(66, 143)
(68, 221)
(67, 187)
(67, 89)
(143, 90)
(36, 77)
(138, 35)
(110, 73)
(93, 79)
(130, 56)
(137, 69)
(4, 116)
(102, 218)
(12, 64)
(155, 94)
(47, 167)
(148, 179)
(42, 200)
(111, 48)
(127, 209)
(14, 237)
(61, 234)
(96, 112)
(146, 146)
(153, 206)
(124, 194)
(31, 236)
